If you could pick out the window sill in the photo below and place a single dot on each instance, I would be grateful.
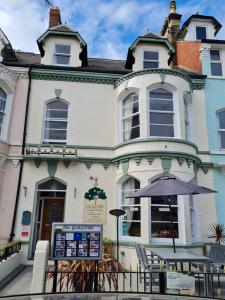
(216, 77)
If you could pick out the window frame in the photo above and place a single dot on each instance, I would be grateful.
(3, 112)
(216, 62)
(55, 54)
(220, 129)
(122, 206)
(47, 119)
(149, 60)
(175, 133)
(123, 118)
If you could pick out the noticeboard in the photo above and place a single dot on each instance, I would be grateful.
(76, 241)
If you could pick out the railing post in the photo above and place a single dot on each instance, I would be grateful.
(162, 283)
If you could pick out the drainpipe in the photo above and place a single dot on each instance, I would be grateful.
(12, 234)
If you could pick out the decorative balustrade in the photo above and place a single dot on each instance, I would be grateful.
(7, 250)
(50, 150)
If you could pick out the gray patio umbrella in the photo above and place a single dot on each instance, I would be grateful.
(170, 186)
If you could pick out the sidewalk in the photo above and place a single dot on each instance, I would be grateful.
(19, 285)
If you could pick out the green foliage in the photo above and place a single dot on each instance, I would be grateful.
(95, 193)
(218, 231)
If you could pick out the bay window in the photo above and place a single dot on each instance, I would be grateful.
(161, 114)
(130, 117)
(131, 222)
(55, 123)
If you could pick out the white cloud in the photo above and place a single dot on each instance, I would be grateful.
(108, 26)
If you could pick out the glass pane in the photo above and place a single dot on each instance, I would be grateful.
(135, 133)
(62, 48)
(130, 105)
(151, 55)
(131, 228)
(2, 94)
(55, 125)
(216, 69)
(160, 118)
(165, 105)
(160, 130)
(163, 214)
(129, 186)
(47, 194)
(2, 104)
(151, 65)
(215, 55)
(163, 230)
(51, 134)
(57, 105)
(133, 213)
(221, 116)
(62, 60)
(161, 94)
(222, 138)
(56, 114)
(200, 33)
(52, 184)
(164, 200)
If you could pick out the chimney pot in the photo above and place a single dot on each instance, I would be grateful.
(54, 17)
(172, 7)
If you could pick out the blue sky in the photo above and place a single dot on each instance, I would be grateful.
(108, 26)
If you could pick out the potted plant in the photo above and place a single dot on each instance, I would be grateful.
(107, 245)
(89, 276)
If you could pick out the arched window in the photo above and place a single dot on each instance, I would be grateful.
(55, 123)
(3, 97)
(130, 117)
(131, 223)
(161, 114)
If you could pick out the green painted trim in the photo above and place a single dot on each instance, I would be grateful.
(204, 152)
(156, 71)
(152, 139)
(166, 163)
(125, 165)
(74, 76)
(70, 146)
(52, 167)
(153, 40)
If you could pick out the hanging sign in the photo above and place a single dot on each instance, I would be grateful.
(76, 241)
(95, 206)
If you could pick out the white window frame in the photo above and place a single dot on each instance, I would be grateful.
(220, 129)
(3, 112)
(163, 112)
(127, 237)
(45, 119)
(206, 31)
(128, 117)
(216, 62)
(54, 54)
(148, 60)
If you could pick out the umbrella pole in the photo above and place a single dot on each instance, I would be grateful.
(171, 225)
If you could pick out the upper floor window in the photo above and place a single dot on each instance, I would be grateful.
(161, 113)
(221, 119)
(55, 123)
(3, 97)
(151, 60)
(62, 54)
(216, 63)
(131, 223)
(130, 117)
(200, 32)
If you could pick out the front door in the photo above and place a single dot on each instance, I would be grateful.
(53, 211)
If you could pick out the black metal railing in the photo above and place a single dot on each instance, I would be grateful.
(207, 285)
(9, 249)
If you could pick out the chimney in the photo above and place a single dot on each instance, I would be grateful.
(173, 7)
(54, 17)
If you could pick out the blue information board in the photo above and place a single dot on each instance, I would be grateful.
(76, 241)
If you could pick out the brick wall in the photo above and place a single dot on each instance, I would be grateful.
(188, 55)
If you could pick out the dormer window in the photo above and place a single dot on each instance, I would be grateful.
(200, 32)
(151, 60)
(62, 54)
(216, 63)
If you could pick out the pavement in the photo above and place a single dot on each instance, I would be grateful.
(21, 284)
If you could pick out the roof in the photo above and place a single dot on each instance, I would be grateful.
(202, 17)
(62, 28)
(152, 35)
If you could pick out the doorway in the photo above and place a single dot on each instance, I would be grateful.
(49, 208)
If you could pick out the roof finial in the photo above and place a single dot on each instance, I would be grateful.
(173, 7)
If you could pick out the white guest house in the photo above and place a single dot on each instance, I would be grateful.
(116, 126)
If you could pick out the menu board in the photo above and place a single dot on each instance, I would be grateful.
(76, 241)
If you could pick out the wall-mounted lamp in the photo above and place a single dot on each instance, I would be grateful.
(75, 193)
(25, 190)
